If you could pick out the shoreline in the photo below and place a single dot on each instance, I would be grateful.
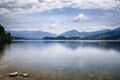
(70, 40)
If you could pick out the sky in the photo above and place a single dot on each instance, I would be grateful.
(58, 16)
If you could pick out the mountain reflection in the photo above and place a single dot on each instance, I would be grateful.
(2, 49)
(76, 44)
(102, 45)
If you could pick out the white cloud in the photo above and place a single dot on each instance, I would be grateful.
(99, 4)
(81, 18)
(11, 7)
(31, 6)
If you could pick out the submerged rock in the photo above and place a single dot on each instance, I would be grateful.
(14, 74)
(25, 75)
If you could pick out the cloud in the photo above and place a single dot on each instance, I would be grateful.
(81, 18)
(32, 6)
(96, 4)
(13, 7)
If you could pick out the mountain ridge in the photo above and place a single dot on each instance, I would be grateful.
(75, 33)
(31, 34)
(70, 33)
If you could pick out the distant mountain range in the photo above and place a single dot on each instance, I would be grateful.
(30, 34)
(75, 33)
(72, 34)
(112, 34)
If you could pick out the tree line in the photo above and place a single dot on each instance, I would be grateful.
(4, 36)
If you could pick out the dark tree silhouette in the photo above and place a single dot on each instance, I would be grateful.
(2, 31)
(4, 37)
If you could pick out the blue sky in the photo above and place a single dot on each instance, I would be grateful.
(57, 16)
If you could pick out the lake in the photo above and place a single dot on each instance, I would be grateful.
(61, 60)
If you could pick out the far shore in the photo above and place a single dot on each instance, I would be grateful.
(65, 40)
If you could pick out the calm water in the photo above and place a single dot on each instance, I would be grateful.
(62, 60)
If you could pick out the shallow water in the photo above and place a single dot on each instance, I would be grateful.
(62, 60)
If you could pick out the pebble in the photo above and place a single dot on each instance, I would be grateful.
(25, 75)
(14, 74)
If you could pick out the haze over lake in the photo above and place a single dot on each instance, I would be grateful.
(62, 60)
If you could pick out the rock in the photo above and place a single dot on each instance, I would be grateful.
(14, 74)
(25, 75)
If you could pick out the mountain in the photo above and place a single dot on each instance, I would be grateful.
(71, 33)
(30, 34)
(113, 34)
(75, 33)
(87, 34)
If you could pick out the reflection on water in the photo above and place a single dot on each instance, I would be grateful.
(63, 58)
(2, 47)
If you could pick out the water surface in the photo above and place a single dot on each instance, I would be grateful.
(62, 60)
